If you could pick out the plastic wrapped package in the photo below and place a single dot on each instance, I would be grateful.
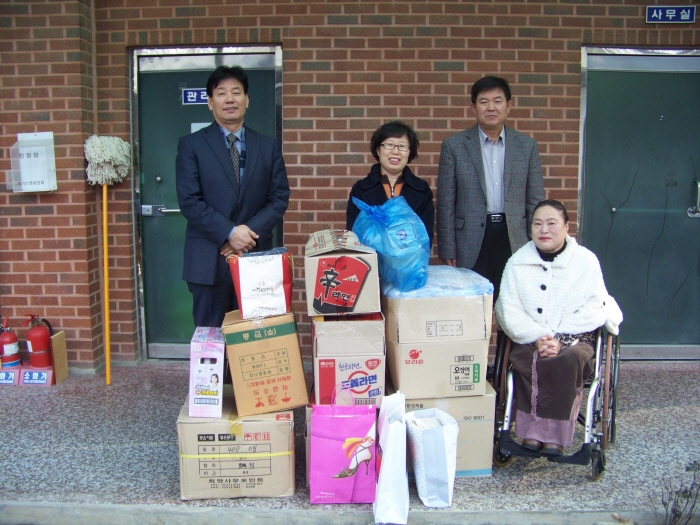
(443, 281)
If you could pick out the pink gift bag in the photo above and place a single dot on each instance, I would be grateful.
(342, 450)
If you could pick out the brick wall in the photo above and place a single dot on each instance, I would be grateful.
(348, 67)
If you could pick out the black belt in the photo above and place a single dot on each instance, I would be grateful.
(496, 217)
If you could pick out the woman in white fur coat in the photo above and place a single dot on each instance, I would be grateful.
(552, 300)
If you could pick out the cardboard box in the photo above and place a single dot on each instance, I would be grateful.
(265, 363)
(475, 417)
(342, 275)
(207, 352)
(59, 356)
(233, 457)
(349, 354)
(435, 370)
(431, 319)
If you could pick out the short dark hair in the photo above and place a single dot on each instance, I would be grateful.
(224, 72)
(553, 203)
(487, 84)
(395, 130)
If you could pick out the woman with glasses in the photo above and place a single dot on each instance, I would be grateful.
(394, 145)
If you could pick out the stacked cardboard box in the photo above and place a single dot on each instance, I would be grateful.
(236, 456)
(342, 294)
(437, 348)
(237, 440)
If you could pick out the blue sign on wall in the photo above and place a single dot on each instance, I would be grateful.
(194, 96)
(671, 14)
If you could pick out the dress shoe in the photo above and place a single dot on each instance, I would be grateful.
(532, 444)
(552, 449)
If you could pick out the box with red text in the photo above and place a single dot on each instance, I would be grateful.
(349, 354)
(265, 362)
(236, 456)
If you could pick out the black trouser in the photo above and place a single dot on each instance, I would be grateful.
(211, 303)
(494, 254)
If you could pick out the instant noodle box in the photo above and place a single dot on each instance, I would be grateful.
(342, 275)
(349, 354)
(265, 362)
(445, 339)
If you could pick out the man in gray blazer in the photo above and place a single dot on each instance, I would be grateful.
(489, 181)
(232, 188)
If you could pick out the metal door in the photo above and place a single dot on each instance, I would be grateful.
(641, 173)
(165, 113)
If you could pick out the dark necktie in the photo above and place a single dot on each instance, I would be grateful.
(235, 158)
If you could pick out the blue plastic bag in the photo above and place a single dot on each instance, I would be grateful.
(400, 238)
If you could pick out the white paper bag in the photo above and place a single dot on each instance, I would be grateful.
(391, 502)
(263, 282)
(432, 440)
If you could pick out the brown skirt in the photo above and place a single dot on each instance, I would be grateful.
(556, 381)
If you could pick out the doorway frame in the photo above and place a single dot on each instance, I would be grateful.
(172, 59)
(593, 59)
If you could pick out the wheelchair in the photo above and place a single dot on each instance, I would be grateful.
(597, 414)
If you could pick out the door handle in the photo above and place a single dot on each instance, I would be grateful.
(157, 210)
(694, 211)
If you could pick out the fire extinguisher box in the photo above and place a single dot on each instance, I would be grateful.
(30, 376)
(10, 376)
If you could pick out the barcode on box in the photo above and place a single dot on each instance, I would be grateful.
(365, 401)
(464, 358)
(205, 401)
(459, 388)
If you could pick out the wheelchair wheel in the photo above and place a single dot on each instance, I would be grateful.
(597, 464)
(609, 391)
(500, 459)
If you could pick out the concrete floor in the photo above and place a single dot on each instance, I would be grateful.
(82, 452)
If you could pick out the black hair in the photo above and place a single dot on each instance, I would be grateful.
(552, 203)
(395, 130)
(489, 83)
(222, 73)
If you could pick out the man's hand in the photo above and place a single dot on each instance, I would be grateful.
(242, 241)
(450, 262)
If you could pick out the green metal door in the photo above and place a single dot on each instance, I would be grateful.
(641, 165)
(164, 117)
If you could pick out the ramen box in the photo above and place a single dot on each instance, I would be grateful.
(207, 351)
(349, 355)
(342, 275)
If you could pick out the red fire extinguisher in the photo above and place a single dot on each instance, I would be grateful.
(9, 346)
(39, 341)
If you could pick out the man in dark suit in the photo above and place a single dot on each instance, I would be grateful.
(232, 191)
(489, 181)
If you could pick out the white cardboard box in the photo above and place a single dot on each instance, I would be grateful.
(233, 457)
(342, 275)
(207, 352)
(432, 319)
(349, 354)
(441, 369)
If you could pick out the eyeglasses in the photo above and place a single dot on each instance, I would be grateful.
(389, 146)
